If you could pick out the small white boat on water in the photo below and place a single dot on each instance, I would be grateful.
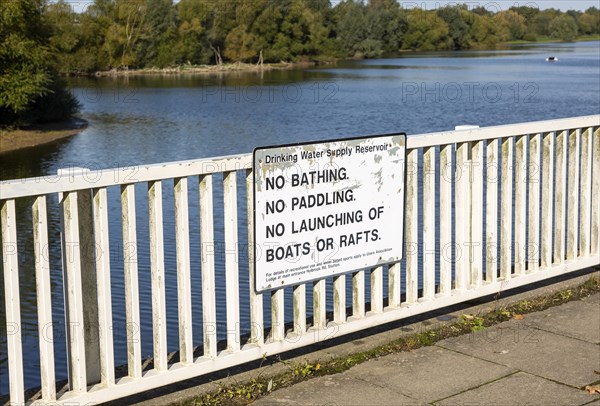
(552, 59)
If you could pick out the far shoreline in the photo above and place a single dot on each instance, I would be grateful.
(241, 67)
(225, 68)
(12, 140)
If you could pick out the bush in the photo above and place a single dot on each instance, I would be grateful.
(58, 105)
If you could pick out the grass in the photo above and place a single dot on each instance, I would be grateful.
(245, 393)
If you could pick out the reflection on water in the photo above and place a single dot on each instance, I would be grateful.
(151, 119)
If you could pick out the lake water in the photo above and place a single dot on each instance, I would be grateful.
(144, 120)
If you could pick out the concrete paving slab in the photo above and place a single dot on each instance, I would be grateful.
(520, 346)
(520, 389)
(592, 299)
(335, 390)
(578, 319)
(429, 373)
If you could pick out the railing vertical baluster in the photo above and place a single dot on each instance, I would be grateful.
(207, 241)
(184, 288)
(412, 227)
(476, 255)
(394, 285)
(491, 212)
(377, 289)
(585, 201)
(231, 260)
(72, 261)
(256, 299)
(87, 272)
(595, 237)
(12, 302)
(339, 299)
(319, 304)
(429, 192)
(44, 298)
(299, 303)
(277, 315)
(560, 194)
(506, 209)
(520, 244)
(358, 294)
(533, 186)
(157, 275)
(102, 243)
(130, 270)
(463, 215)
(446, 169)
(547, 199)
(573, 195)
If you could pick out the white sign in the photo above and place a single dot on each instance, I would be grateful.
(328, 208)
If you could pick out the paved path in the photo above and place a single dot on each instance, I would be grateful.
(545, 359)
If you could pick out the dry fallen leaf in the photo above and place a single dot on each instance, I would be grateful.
(518, 316)
(591, 389)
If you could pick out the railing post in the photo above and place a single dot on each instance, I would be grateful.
(88, 288)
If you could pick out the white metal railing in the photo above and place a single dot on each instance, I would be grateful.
(513, 204)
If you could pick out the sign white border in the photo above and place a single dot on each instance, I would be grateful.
(327, 208)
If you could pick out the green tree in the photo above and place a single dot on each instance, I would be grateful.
(541, 22)
(30, 91)
(156, 44)
(386, 24)
(511, 25)
(266, 29)
(221, 20)
(426, 31)
(239, 44)
(564, 27)
(23, 55)
(350, 26)
(529, 14)
(299, 30)
(458, 20)
(589, 22)
(192, 43)
(65, 35)
(128, 26)
(483, 32)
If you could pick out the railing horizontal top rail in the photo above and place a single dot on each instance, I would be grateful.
(508, 130)
(77, 180)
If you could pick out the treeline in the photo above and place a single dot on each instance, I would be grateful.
(133, 34)
(40, 40)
